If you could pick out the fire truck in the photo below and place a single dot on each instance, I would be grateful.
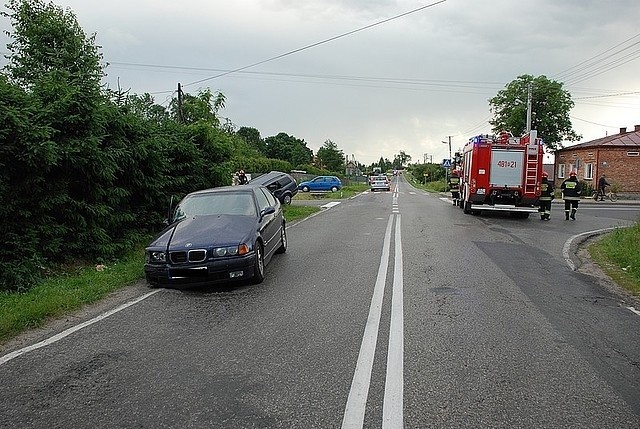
(501, 173)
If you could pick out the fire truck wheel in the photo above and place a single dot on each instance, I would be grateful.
(467, 207)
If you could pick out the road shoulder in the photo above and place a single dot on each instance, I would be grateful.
(591, 268)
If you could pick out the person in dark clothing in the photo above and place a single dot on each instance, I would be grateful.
(242, 177)
(571, 190)
(454, 186)
(602, 186)
(546, 196)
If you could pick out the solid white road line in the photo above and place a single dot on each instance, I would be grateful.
(357, 400)
(392, 415)
(6, 358)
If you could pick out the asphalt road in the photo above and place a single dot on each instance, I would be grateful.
(391, 309)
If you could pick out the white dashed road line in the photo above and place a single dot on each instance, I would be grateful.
(6, 358)
(331, 204)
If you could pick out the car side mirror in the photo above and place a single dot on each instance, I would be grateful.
(267, 211)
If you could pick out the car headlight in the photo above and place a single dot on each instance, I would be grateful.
(155, 256)
(241, 249)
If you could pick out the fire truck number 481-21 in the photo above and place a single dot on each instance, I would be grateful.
(507, 164)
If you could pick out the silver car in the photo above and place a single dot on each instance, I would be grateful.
(380, 183)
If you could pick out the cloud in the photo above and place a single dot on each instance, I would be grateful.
(402, 85)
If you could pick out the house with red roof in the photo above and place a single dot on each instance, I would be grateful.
(617, 156)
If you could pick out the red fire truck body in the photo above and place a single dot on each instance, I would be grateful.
(501, 173)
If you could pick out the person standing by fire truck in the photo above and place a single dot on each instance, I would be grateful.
(546, 196)
(571, 190)
(454, 186)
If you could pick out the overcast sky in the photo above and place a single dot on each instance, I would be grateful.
(406, 83)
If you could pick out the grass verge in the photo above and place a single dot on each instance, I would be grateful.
(345, 192)
(64, 293)
(618, 254)
(293, 213)
(434, 186)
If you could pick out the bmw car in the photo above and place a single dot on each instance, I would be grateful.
(217, 235)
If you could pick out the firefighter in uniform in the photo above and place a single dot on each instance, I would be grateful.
(454, 186)
(546, 196)
(571, 194)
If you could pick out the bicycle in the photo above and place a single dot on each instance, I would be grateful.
(612, 196)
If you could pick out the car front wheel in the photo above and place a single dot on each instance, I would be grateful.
(305, 189)
(258, 267)
(334, 188)
(286, 199)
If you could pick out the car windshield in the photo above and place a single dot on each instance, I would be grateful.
(222, 203)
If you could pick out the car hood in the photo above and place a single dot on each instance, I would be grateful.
(206, 231)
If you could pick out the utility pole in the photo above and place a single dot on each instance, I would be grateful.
(180, 116)
(529, 96)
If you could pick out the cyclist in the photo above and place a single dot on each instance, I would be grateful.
(602, 186)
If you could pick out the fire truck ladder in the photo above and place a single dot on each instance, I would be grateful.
(531, 174)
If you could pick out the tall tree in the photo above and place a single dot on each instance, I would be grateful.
(58, 67)
(252, 137)
(329, 157)
(48, 43)
(385, 164)
(401, 160)
(145, 107)
(203, 106)
(288, 148)
(550, 106)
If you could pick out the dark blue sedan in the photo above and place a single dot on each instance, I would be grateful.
(218, 235)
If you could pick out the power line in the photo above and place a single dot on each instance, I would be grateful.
(480, 125)
(559, 75)
(594, 66)
(604, 68)
(439, 82)
(590, 122)
(313, 45)
(608, 95)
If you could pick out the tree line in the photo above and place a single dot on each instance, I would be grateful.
(85, 171)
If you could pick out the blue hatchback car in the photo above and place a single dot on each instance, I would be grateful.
(321, 183)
